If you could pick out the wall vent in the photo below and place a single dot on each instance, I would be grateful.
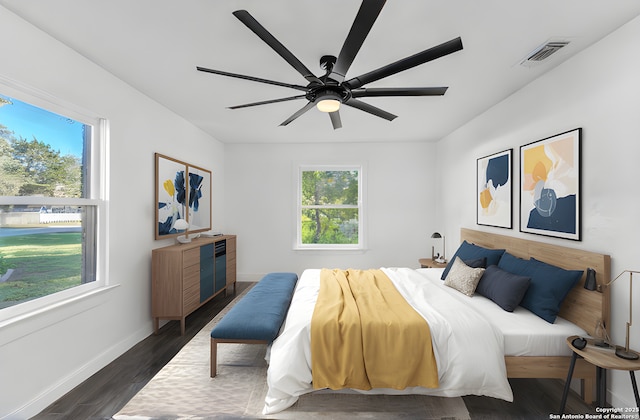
(543, 52)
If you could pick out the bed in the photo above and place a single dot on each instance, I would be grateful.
(514, 344)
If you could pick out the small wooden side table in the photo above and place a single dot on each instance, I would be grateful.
(431, 263)
(602, 358)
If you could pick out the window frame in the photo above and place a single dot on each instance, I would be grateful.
(361, 245)
(97, 161)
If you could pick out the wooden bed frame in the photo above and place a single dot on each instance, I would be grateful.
(583, 307)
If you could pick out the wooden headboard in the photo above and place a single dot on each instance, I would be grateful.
(582, 307)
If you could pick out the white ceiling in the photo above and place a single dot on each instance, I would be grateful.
(155, 45)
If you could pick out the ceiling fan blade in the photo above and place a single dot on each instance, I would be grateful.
(415, 91)
(407, 63)
(251, 23)
(301, 111)
(271, 101)
(251, 78)
(370, 109)
(335, 119)
(366, 17)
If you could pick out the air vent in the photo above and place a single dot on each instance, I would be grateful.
(543, 52)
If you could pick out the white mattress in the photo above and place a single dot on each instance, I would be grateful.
(525, 334)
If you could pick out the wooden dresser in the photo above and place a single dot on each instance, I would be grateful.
(186, 276)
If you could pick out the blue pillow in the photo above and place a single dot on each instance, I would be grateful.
(568, 277)
(515, 265)
(549, 284)
(504, 288)
(476, 263)
(468, 251)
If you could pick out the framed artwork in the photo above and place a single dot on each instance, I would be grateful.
(182, 192)
(199, 199)
(494, 194)
(171, 194)
(550, 186)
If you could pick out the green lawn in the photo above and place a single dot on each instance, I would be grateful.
(42, 263)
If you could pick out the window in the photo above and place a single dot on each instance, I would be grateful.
(50, 201)
(329, 207)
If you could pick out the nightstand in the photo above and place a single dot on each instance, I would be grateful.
(431, 263)
(602, 358)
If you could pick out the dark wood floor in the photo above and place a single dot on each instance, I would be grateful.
(105, 393)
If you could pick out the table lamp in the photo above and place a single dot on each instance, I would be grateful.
(438, 257)
(626, 353)
(179, 225)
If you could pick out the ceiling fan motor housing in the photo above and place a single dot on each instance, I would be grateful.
(320, 93)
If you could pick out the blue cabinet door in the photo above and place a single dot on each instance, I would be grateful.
(221, 272)
(206, 272)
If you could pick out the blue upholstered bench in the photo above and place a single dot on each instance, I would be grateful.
(257, 317)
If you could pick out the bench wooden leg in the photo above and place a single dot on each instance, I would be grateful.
(214, 349)
(214, 358)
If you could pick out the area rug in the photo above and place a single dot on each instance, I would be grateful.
(184, 390)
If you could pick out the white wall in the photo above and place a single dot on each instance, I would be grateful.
(47, 355)
(598, 90)
(260, 209)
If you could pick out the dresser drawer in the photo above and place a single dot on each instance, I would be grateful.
(191, 288)
(191, 257)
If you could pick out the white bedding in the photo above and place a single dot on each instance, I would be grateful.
(469, 347)
(525, 334)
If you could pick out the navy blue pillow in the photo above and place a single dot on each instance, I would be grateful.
(514, 264)
(468, 251)
(548, 287)
(569, 278)
(476, 263)
(504, 288)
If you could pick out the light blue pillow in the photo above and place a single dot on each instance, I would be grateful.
(467, 251)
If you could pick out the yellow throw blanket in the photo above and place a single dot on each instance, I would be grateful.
(365, 335)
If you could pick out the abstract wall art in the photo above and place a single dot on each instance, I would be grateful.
(550, 186)
(494, 192)
(170, 194)
(183, 191)
(199, 199)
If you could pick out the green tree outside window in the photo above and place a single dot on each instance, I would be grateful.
(330, 207)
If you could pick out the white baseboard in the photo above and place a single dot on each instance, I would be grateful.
(75, 378)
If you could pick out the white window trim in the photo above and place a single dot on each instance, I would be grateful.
(99, 163)
(297, 240)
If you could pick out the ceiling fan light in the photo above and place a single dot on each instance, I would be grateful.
(328, 105)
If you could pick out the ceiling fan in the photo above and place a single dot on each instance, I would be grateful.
(330, 91)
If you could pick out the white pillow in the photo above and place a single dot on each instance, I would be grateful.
(463, 278)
